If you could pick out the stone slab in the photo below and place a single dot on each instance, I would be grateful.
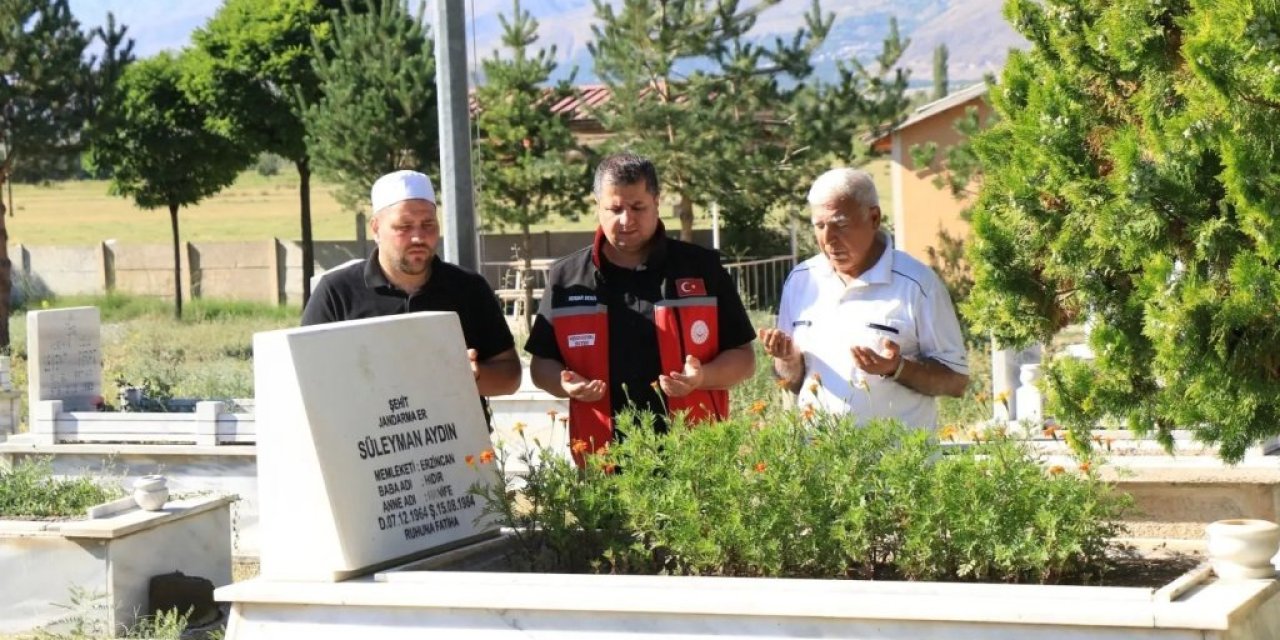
(64, 350)
(365, 430)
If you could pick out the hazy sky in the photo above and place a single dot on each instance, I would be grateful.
(154, 25)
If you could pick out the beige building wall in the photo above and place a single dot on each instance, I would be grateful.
(922, 211)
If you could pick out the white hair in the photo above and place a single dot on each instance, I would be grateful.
(845, 184)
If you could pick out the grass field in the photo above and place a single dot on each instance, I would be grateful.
(254, 208)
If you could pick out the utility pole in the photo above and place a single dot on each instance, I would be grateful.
(460, 239)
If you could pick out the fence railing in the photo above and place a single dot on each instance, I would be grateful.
(760, 281)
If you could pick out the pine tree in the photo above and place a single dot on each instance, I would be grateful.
(158, 151)
(49, 90)
(1131, 183)
(376, 108)
(940, 88)
(526, 151)
(691, 91)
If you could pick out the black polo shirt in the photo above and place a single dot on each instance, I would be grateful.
(361, 290)
(630, 295)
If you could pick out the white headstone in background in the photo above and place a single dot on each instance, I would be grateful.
(64, 357)
(365, 427)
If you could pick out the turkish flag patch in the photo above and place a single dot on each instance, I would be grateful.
(686, 287)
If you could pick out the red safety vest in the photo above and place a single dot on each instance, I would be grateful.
(685, 326)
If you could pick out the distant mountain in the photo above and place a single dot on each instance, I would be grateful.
(975, 32)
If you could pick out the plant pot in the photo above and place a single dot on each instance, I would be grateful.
(1242, 549)
(150, 492)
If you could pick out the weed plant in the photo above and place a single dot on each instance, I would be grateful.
(29, 490)
(780, 493)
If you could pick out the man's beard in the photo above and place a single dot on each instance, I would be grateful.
(406, 265)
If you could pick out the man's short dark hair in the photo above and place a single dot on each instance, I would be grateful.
(626, 169)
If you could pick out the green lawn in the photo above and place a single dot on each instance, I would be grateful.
(254, 208)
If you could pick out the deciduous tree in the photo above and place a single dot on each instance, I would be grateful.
(158, 149)
(254, 71)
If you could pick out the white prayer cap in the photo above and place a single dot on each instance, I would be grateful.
(400, 186)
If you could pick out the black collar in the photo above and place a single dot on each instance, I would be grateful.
(657, 250)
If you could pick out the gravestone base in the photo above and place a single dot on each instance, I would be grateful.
(453, 596)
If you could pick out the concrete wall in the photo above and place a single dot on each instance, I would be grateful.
(267, 271)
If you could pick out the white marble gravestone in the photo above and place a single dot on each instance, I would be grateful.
(364, 431)
(64, 357)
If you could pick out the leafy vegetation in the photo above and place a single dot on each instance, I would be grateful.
(1129, 184)
(30, 490)
(786, 494)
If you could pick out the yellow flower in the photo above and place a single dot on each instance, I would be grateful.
(518, 428)
(758, 406)
(948, 433)
(1003, 397)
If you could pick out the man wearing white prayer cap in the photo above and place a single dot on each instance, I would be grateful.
(404, 275)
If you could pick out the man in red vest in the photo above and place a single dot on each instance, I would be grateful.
(637, 317)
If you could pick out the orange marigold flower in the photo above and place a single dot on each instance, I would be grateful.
(1085, 466)
(609, 467)
(760, 467)
(578, 446)
(1056, 470)
(808, 412)
(758, 406)
(486, 456)
(1050, 432)
(813, 387)
(518, 428)
(553, 413)
(471, 460)
(782, 384)
(948, 432)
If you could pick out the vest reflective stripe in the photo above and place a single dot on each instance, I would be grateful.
(582, 334)
(690, 327)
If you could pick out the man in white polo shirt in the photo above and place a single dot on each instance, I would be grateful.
(863, 327)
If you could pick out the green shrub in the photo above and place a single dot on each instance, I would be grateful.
(30, 490)
(785, 494)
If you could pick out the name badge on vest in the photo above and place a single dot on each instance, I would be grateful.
(686, 287)
(582, 340)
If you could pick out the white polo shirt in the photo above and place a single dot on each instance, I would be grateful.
(899, 298)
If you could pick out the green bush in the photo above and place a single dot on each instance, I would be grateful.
(30, 490)
(784, 494)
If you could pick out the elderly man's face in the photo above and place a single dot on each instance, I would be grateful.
(628, 215)
(846, 233)
(407, 234)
